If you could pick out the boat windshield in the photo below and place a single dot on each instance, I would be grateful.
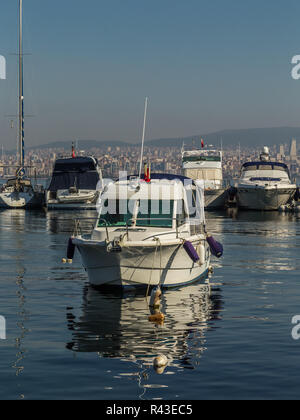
(266, 179)
(279, 168)
(264, 167)
(250, 168)
(155, 213)
(151, 213)
(115, 213)
(202, 159)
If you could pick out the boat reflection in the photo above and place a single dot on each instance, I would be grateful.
(118, 326)
(264, 216)
(13, 228)
(60, 221)
(268, 236)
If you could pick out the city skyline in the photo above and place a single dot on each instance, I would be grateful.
(114, 159)
(205, 67)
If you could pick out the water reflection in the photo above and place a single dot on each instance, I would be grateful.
(23, 318)
(261, 216)
(12, 218)
(14, 261)
(60, 221)
(21, 220)
(253, 223)
(260, 241)
(118, 326)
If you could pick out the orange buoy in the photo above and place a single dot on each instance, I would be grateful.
(157, 318)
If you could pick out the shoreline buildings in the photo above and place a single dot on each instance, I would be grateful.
(113, 159)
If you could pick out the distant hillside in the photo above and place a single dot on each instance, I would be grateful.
(82, 144)
(246, 137)
(252, 137)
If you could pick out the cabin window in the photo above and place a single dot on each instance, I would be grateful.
(265, 179)
(280, 168)
(202, 159)
(250, 168)
(155, 213)
(115, 213)
(181, 213)
(191, 202)
(265, 167)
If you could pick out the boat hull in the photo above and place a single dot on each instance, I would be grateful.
(260, 198)
(16, 200)
(169, 266)
(70, 206)
(215, 199)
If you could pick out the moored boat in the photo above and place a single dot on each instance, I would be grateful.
(148, 233)
(206, 166)
(75, 184)
(264, 184)
(18, 192)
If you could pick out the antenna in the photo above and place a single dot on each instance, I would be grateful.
(143, 138)
(183, 147)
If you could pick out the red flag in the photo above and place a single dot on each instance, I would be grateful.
(202, 143)
(147, 176)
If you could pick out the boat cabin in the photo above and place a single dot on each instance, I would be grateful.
(265, 171)
(204, 165)
(167, 201)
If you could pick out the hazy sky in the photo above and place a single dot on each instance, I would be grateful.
(205, 65)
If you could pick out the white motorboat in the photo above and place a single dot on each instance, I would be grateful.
(75, 184)
(206, 166)
(148, 233)
(264, 184)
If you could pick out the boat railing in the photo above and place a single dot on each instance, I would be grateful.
(80, 228)
(86, 224)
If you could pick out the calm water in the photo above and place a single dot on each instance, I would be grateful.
(233, 340)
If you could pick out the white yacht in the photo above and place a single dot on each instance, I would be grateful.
(148, 233)
(206, 165)
(75, 184)
(264, 184)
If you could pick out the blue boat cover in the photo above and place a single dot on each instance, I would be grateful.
(266, 179)
(168, 177)
(80, 172)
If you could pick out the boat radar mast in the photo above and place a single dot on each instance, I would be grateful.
(265, 155)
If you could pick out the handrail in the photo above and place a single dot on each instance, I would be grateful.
(95, 219)
(129, 223)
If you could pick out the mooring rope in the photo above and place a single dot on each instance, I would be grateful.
(148, 288)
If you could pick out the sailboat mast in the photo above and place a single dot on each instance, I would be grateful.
(21, 90)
